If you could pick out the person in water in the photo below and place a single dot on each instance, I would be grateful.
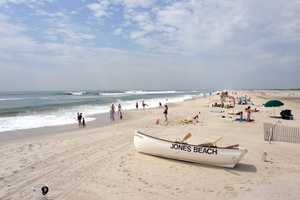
(166, 113)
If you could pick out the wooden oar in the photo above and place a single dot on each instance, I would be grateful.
(232, 146)
(217, 140)
(187, 136)
(210, 144)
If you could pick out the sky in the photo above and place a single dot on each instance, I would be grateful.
(149, 44)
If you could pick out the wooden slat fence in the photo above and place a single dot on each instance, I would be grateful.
(273, 132)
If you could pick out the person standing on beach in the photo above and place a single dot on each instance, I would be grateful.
(248, 111)
(121, 115)
(79, 118)
(112, 112)
(83, 122)
(120, 111)
(137, 105)
(166, 113)
(143, 104)
(160, 105)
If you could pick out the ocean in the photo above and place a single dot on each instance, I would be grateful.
(26, 110)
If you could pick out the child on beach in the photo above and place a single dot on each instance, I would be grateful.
(121, 115)
(83, 122)
(137, 105)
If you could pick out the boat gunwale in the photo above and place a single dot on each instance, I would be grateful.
(165, 140)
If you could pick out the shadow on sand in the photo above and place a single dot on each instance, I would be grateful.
(276, 117)
(242, 167)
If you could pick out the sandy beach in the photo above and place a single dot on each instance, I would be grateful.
(100, 162)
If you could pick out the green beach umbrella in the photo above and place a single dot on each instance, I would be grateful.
(273, 103)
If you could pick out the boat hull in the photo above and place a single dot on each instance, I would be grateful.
(187, 152)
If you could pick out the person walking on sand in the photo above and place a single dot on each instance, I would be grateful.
(166, 113)
(112, 112)
(137, 105)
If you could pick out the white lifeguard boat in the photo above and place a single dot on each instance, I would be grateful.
(204, 154)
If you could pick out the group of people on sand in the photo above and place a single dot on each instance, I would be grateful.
(119, 112)
(113, 112)
(165, 111)
(81, 120)
(241, 100)
(248, 111)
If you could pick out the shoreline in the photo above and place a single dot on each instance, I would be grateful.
(61, 118)
(101, 120)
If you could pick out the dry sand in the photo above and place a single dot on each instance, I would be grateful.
(101, 162)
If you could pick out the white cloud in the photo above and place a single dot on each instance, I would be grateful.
(67, 33)
(7, 28)
(138, 3)
(100, 9)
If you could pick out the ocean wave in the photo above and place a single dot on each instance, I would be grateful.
(139, 92)
(78, 93)
(112, 94)
(11, 99)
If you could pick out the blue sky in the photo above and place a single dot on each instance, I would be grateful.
(149, 44)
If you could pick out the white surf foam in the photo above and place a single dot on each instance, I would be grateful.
(77, 93)
(11, 99)
(112, 94)
(138, 92)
